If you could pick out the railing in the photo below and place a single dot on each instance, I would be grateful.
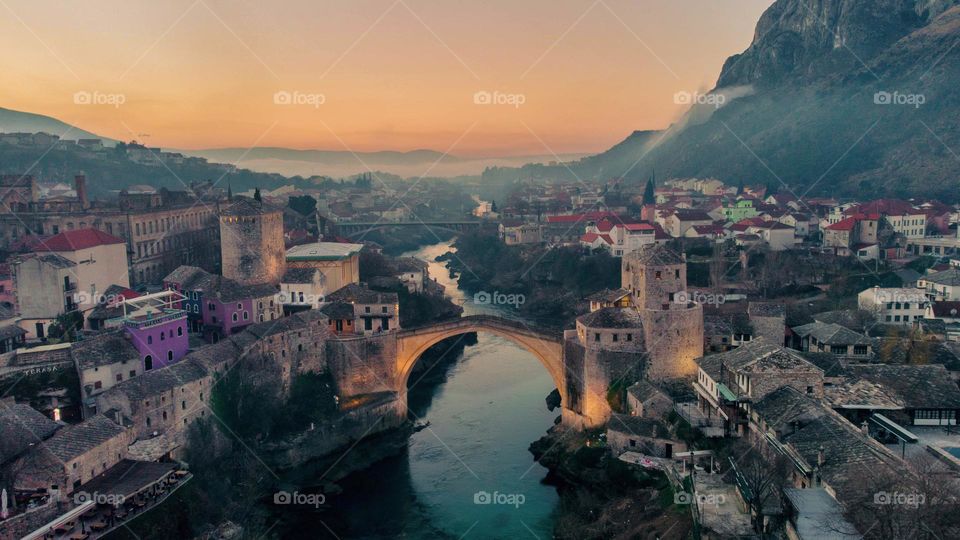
(167, 316)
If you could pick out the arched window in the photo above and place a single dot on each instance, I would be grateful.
(234, 317)
(169, 356)
(147, 362)
(179, 330)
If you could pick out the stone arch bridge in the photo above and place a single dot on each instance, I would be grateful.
(546, 346)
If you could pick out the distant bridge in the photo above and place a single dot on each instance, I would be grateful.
(353, 229)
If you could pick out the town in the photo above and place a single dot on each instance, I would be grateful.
(785, 366)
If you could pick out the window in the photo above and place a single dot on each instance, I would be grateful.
(860, 350)
(239, 306)
(809, 389)
(596, 337)
(366, 309)
(658, 275)
(163, 336)
(234, 317)
(149, 340)
(179, 330)
(629, 337)
(246, 316)
(384, 309)
(183, 405)
(169, 356)
(147, 363)
(616, 337)
(97, 385)
(133, 373)
(119, 377)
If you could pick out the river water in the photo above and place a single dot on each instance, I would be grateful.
(469, 474)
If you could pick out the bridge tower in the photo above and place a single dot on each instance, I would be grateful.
(251, 242)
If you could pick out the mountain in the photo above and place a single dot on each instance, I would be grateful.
(23, 122)
(839, 97)
(340, 164)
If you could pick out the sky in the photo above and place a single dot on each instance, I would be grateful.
(476, 78)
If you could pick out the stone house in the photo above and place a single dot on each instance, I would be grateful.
(74, 455)
(647, 400)
(46, 283)
(832, 338)
(728, 383)
(647, 436)
(374, 311)
(104, 361)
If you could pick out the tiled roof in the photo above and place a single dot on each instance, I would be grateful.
(639, 426)
(78, 239)
(946, 309)
(656, 255)
(949, 277)
(73, 441)
(359, 294)
(11, 330)
(612, 317)
(104, 349)
(832, 334)
(185, 275)
(645, 390)
(22, 426)
(916, 386)
(338, 310)
(156, 381)
(608, 295)
(244, 206)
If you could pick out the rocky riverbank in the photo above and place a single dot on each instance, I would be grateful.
(603, 497)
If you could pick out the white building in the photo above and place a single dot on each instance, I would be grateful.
(894, 306)
(941, 286)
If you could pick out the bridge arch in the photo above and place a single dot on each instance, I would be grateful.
(545, 347)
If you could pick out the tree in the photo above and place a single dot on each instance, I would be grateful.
(65, 327)
(649, 194)
(761, 479)
(256, 195)
(493, 206)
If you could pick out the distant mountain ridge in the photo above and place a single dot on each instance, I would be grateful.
(12, 121)
(825, 101)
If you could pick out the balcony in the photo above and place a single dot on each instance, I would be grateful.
(69, 287)
(146, 321)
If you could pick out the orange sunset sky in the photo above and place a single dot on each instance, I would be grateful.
(394, 74)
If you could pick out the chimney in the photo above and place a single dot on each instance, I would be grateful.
(821, 457)
(80, 184)
(864, 428)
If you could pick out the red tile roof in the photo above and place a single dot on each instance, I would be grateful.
(844, 225)
(78, 239)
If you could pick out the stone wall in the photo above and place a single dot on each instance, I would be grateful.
(363, 365)
(252, 248)
(674, 340)
(762, 384)
(770, 328)
(653, 286)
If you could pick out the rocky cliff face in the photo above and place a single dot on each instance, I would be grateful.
(839, 97)
(797, 40)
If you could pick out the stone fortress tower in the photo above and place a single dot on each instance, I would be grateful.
(251, 241)
(656, 278)
(648, 329)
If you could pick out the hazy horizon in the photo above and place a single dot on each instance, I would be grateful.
(571, 77)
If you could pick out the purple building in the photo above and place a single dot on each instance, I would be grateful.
(157, 328)
(219, 307)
